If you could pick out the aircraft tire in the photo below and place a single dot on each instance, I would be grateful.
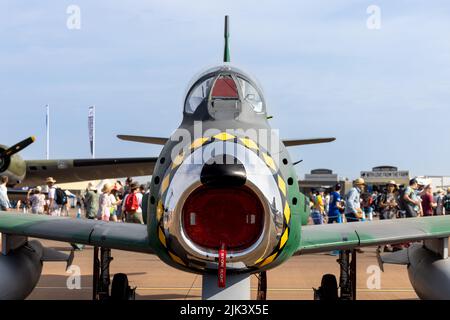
(329, 288)
(119, 288)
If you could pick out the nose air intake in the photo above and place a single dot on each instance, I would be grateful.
(229, 217)
(223, 171)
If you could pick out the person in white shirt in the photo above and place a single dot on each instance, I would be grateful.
(115, 203)
(53, 208)
(37, 201)
(105, 203)
(5, 205)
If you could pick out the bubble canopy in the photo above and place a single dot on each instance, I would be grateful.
(226, 83)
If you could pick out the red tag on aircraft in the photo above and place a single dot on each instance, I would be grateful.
(222, 267)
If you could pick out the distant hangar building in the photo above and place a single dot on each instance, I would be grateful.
(322, 178)
(381, 175)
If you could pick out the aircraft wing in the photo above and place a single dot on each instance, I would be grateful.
(302, 142)
(86, 169)
(162, 141)
(143, 139)
(122, 236)
(328, 237)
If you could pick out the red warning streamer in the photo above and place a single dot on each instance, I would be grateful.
(222, 275)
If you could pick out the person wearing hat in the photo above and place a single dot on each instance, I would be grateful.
(353, 211)
(388, 202)
(91, 198)
(104, 202)
(37, 201)
(411, 200)
(53, 208)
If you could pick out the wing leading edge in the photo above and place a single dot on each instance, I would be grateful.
(162, 141)
(122, 236)
(302, 142)
(323, 238)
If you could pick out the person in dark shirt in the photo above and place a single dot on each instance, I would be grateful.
(334, 211)
(447, 202)
(388, 202)
(428, 203)
(91, 198)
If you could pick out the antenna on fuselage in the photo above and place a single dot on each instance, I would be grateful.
(226, 53)
(297, 162)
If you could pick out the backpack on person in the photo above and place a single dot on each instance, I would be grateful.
(382, 197)
(131, 203)
(401, 202)
(447, 202)
(60, 196)
(377, 201)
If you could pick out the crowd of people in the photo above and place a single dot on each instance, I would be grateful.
(123, 203)
(392, 202)
(54, 203)
(116, 202)
(113, 202)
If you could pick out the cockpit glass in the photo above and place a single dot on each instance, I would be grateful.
(197, 95)
(225, 88)
(251, 95)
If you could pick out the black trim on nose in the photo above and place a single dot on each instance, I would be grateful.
(223, 171)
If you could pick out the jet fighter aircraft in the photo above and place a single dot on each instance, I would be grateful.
(225, 204)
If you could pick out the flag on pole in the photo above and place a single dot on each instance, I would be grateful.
(91, 126)
(47, 129)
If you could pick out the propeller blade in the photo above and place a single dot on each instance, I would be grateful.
(18, 147)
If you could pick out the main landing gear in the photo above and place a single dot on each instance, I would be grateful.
(329, 290)
(262, 286)
(120, 289)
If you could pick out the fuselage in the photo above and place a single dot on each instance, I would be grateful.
(224, 180)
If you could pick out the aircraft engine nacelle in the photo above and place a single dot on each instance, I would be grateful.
(429, 273)
(20, 271)
(226, 202)
(12, 166)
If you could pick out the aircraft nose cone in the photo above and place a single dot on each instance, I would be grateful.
(223, 171)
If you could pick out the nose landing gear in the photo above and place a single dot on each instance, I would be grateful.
(262, 286)
(120, 290)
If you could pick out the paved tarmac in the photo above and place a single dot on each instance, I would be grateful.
(293, 280)
(155, 280)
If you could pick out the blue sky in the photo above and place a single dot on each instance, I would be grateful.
(384, 94)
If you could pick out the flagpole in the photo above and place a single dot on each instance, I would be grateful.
(91, 127)
(47, 123)
(93, 134)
